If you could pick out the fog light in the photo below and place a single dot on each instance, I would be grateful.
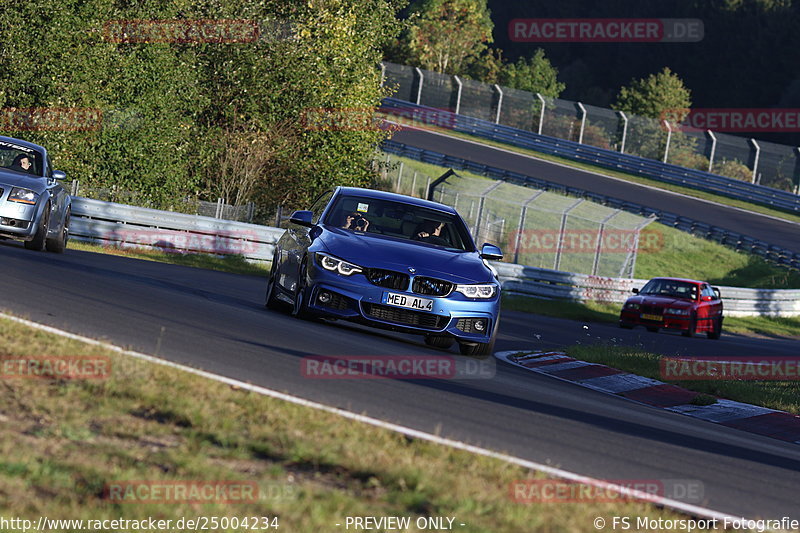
(324, 297)
(480, 325)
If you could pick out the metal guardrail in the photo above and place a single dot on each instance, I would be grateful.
(552, 284)
(664, 172)
(771, 252)
(121, 225)
(113, 224)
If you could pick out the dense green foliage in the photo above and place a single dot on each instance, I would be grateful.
(455, 37)
(176, 113)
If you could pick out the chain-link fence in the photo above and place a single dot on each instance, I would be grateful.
(769, 164)
(534, 227)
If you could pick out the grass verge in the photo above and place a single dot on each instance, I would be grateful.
(609, 313)
(64, 442)
(783, 395)
(724, 200)
(235, 264)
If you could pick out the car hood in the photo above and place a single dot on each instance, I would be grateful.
(661, 301)
(377, 251)
(9, 178)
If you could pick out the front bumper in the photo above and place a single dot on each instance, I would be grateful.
(16, 220)
(634, 318)
(356, 298)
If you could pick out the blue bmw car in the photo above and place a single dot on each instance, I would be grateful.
(389, 261)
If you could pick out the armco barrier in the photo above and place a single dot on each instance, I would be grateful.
(552, 284)
(664, 172)
(125, 225)
(776, 254)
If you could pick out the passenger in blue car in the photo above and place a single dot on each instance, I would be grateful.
(430, 232)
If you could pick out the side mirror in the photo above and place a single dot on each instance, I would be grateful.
(59, 175)
(490, 251)
(635, 291)
(707, 298)
(302, 218)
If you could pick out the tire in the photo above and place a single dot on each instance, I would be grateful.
(692, 328)
(625, 325)
(653, 329)
(439, 341)
(481, 349)
(59, 244)
(714, 335)
(271, 302)
(300, 307)
(38, 242)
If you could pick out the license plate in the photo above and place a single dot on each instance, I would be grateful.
(651, 317)
(407, 302)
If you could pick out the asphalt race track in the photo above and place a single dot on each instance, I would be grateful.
(216, 321)
(772, 230)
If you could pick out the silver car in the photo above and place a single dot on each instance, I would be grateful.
(34, 207)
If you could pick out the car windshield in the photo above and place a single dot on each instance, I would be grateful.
(20, 159)
(668, 287)
(400, 220)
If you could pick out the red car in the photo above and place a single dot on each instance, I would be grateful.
(672, 303)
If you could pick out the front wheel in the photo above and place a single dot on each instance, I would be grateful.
(300, 307)
(480, 349)
(271, 302)
(690, 332)
(439, 341)
(717, 331)
(38, 241)
(59, 244)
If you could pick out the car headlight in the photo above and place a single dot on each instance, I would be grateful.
(477, 291)
(679, 312)
(23, 196)
(334, 264)
(631, 305)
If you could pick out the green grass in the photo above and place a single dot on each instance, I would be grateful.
(757, 208)
(609, 313)
(235, 264)
(64, 441)
(783, 395)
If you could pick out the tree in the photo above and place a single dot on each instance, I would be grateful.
(176, 113)
(535, 74)
(447, 36)
(658, 96)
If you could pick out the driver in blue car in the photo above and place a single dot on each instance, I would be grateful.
(430, 231)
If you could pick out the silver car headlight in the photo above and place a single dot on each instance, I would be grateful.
(480, 291)
(23, 196)
(334, 264)
(679, 312)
